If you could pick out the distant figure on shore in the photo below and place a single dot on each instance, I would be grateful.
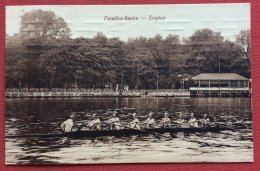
(193, 121)
(149, 122)
(114, 122)
(95, 124)
(180, 121)
(135, 122)
(166, 121)
(205, 121)
(67, 125)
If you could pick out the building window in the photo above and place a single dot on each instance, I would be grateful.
(214, 83)
(196, 83)
(224, 83)
(234, 83)
(204, 83)
(241, 84)
(246, 83)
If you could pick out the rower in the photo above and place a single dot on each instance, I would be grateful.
(67, 125)
(193, 121)
(205, 120)
(180, 121)
(135, 122)
(95, 123)
(166, 121)
(114, 122)
(149, 122)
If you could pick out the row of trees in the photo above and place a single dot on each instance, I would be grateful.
(42, 55)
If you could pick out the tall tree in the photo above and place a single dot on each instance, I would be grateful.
(41, 34)
(43, 24)
(172, 61)
(244, 40)
(15, 69)
(204, 48)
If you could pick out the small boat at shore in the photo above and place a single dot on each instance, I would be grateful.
(125, 132)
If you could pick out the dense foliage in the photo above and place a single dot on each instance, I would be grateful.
(43, 55)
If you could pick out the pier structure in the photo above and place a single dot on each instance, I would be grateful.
(220, 85)
(96, 93)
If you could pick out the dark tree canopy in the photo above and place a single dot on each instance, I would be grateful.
(43, 24)
(43, 55)
(243, 39)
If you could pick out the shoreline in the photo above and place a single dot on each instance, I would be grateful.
(86, 94)
(110, 94)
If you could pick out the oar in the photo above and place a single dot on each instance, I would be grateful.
(146, 131)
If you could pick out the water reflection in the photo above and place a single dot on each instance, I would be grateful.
(41, 116)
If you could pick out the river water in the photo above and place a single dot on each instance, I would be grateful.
(42, 116)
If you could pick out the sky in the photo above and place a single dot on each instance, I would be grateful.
(183, 20)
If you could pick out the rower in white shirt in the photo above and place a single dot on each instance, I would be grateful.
(135, 122)
(205, 121)
(180, 121)
(114, 122)
(193, 121)
(67, 125)
(149, 122)
(95, 124)
(166, 121)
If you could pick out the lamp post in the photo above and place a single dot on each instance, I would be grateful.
(180, 76)
(157, 81)
(219, 75)
(138, 82)
(138, 77)
(122, 80)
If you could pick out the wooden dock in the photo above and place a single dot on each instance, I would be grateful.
(79, 94)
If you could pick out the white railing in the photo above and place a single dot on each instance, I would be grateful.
(219, 88)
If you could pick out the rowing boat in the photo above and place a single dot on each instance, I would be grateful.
(123, 132)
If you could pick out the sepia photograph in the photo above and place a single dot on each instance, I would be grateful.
(95, 84)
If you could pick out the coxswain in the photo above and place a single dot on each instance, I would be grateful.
(180, 121)
(205, 121)
(193, 121)
(114, 122)
(166, 121)
(135, 122)
(67, 125)
(95, 124)
(149, 122)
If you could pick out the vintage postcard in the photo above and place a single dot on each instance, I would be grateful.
(128, 84)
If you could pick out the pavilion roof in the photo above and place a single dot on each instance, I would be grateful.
(219, 76)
